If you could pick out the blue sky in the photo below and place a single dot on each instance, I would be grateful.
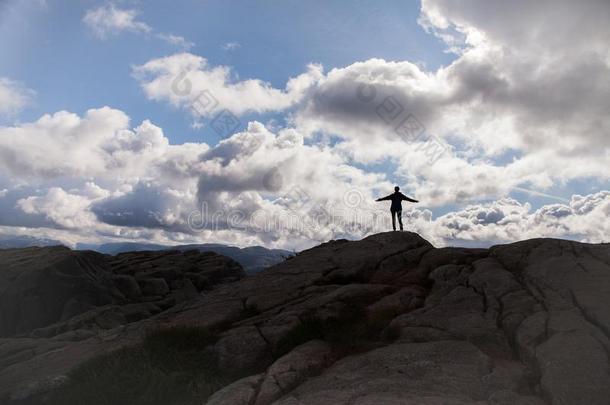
(495, 83)
(49, 48)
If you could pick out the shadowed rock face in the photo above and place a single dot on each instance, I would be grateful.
(52, 290)
(41, 286)
(253, 258)
(386, 320)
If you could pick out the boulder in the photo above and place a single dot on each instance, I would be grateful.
(241, 392)
(242, 348)
(290, 370)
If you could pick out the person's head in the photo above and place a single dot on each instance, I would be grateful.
(396, 189)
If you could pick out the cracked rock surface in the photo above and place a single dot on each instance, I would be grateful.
(386, 320)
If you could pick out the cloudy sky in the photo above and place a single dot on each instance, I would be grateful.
(278, 123)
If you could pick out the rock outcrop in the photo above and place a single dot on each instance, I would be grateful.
(386, 320)
(49, 291)
(252, 258)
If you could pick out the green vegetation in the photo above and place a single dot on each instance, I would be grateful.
(171, 366)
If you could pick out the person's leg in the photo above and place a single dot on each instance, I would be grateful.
(393, 219)
(399, 214)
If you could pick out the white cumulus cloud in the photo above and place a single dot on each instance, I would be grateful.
(189, 81)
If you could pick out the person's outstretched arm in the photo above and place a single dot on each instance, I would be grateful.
(404, 197)
(386, 198)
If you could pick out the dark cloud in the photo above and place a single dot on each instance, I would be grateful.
(147, 205)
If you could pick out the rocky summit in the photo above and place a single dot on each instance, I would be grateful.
(389, 320)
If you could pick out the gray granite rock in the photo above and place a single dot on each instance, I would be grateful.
(385, 320)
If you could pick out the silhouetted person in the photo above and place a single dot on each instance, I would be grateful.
(396, 209)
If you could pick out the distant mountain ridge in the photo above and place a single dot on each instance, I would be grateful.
(13, 242)
(253, 258)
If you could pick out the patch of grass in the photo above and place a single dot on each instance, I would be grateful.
(170, 366)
